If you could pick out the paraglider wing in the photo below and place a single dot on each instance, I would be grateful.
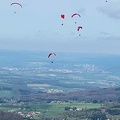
(17, 4)
(62, 16)
(79, 27)
(54, 54)
(75, 15)
(51, 54)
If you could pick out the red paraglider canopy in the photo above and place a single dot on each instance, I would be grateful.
(62, 16)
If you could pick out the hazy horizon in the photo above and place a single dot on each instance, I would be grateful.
(37, 26)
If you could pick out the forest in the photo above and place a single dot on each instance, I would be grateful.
(94, 95)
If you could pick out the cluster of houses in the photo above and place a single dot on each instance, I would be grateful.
(29, 114)
(53, 91)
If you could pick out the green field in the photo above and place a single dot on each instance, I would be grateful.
(6, 107)
(57, 108)
(5, 93)
(47, 109)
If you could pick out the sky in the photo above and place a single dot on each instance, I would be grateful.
(37, 26)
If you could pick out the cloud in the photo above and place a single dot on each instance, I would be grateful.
(108, 37)
(111, 9)
(81, 11)
(104, 34)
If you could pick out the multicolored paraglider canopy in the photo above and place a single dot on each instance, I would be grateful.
(51, 54)
(79, 27)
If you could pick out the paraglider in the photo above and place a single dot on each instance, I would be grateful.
(63, 17)
(49, 55)
(75, 14)
(79, 27)
(15, 3)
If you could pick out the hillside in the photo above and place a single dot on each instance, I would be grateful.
(10, 116)
(94, 95)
